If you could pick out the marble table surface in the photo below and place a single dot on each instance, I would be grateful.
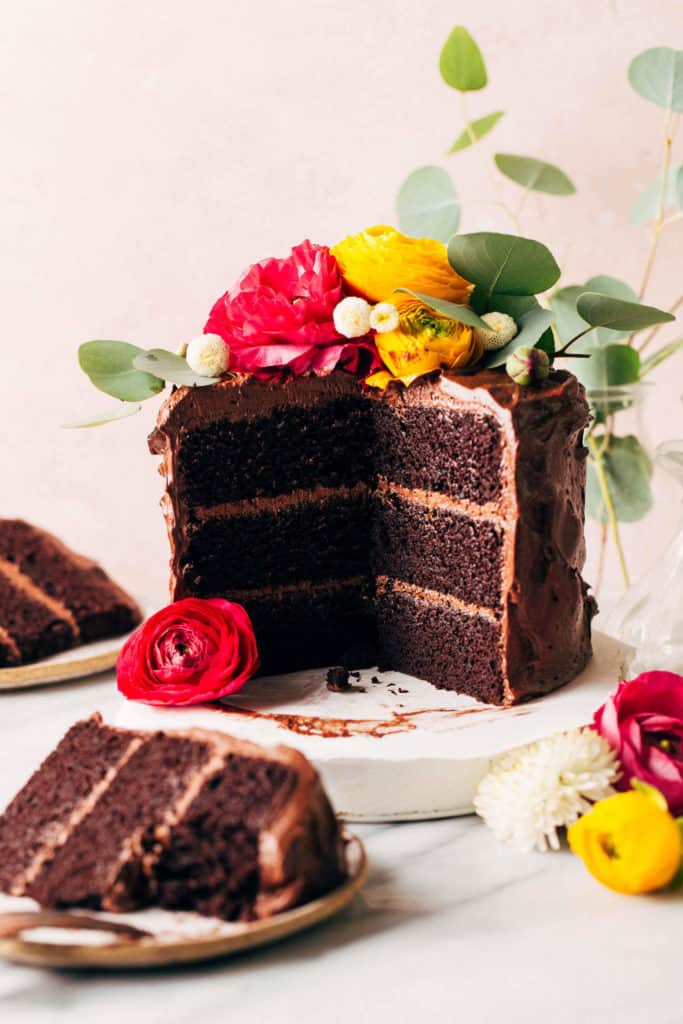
(451, 925)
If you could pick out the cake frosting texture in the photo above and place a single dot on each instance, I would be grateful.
(436, 529)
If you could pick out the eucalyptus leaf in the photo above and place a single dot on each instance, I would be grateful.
(428, 205)
(568, 321)
(628, 471)
(532, 326)
(600, 310)
(109, 364)
(646, 205)
(461, 63)
(463, 314)
(119, 412)
(533, 174)
(657, 75)
(547, 343)
(477, 130)
(649, 364)
(608, 366)
(172, 368)
(563, 304)
(502, 264)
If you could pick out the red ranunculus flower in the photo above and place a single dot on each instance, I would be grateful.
(190, 652)
(643, 721)
(279, 316)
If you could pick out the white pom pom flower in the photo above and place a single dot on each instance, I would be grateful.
(352, 317)
(384, 317)
(502, 330)
(208, 355)
(532, 791)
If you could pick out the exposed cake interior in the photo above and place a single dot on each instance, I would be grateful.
(407, 527)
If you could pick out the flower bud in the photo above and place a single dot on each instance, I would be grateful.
(528, 365)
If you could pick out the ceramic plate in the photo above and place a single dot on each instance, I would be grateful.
(154, 938)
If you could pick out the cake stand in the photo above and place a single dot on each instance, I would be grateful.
(394, 748)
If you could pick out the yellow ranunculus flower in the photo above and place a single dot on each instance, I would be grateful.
(423, 341)
(628, 842)
(380, 259)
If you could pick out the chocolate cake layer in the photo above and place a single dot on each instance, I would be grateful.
(477, 489)
(120, 819)
(99, 606)
(431, 544)
(37, 624)
(318, 537)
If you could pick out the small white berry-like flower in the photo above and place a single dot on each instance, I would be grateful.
(352, 317)
(208, 355)
(531, 792)
(384, 317)
(502, 330)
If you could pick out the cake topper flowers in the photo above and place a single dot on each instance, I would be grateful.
(190, 652)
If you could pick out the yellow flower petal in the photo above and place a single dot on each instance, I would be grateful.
(628, 843)
(380, 259)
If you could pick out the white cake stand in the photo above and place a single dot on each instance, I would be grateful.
(400, 749)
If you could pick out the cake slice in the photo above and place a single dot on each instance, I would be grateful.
(99, 606)
(34, 624)
(117, 819)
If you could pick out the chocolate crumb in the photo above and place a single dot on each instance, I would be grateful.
(375, 680)
(338, 680)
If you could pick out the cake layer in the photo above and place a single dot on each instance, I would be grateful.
(426, 635)
(99, 606)
(37, 624)
(432, 544)
(56, 794)
(312, 624)
(321, 535)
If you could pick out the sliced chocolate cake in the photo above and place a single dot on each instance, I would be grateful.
(436, 529)
(118, 820)
(52, 598)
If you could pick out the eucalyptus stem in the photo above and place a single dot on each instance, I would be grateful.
(609, 507)
(659, 218)
(474, 142)
(653, 332)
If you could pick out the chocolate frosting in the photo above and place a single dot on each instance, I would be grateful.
(547, 609)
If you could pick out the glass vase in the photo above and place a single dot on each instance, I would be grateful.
(650, 616)
(631, 508)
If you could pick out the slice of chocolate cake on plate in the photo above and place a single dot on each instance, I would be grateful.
(117, 820)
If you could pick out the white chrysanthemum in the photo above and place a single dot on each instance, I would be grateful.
(384, 317)
(352, 317)
(207, 355)
(502, 330)
(532, 791)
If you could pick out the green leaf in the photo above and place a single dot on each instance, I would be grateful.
(601, 310)
(647, 204)
(547, 343)
(532, 326)
(657, 75)
(463, 314)
(502, 264)
(649, 364)
(428, 205)
(651, 792)
(119, 412)
(477, 130)
(109, 364)
(563, 304)
(461, 63)
(608, 366)
(172, 368)
(628, 471)
(533, 174)
(567, 319)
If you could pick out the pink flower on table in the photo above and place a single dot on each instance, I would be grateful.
(643, 722)
(279, 316)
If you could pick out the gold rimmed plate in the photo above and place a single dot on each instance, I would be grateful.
(155, 938)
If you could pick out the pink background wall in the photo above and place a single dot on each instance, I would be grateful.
(152, 150)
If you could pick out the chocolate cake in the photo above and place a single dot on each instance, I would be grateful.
(52, 598)
(117, 820)
(436, 529)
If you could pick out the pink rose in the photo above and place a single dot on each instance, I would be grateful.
(190, 652)
(643, 722)
(279, 316)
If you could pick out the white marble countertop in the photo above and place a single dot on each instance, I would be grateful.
(451, 924)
